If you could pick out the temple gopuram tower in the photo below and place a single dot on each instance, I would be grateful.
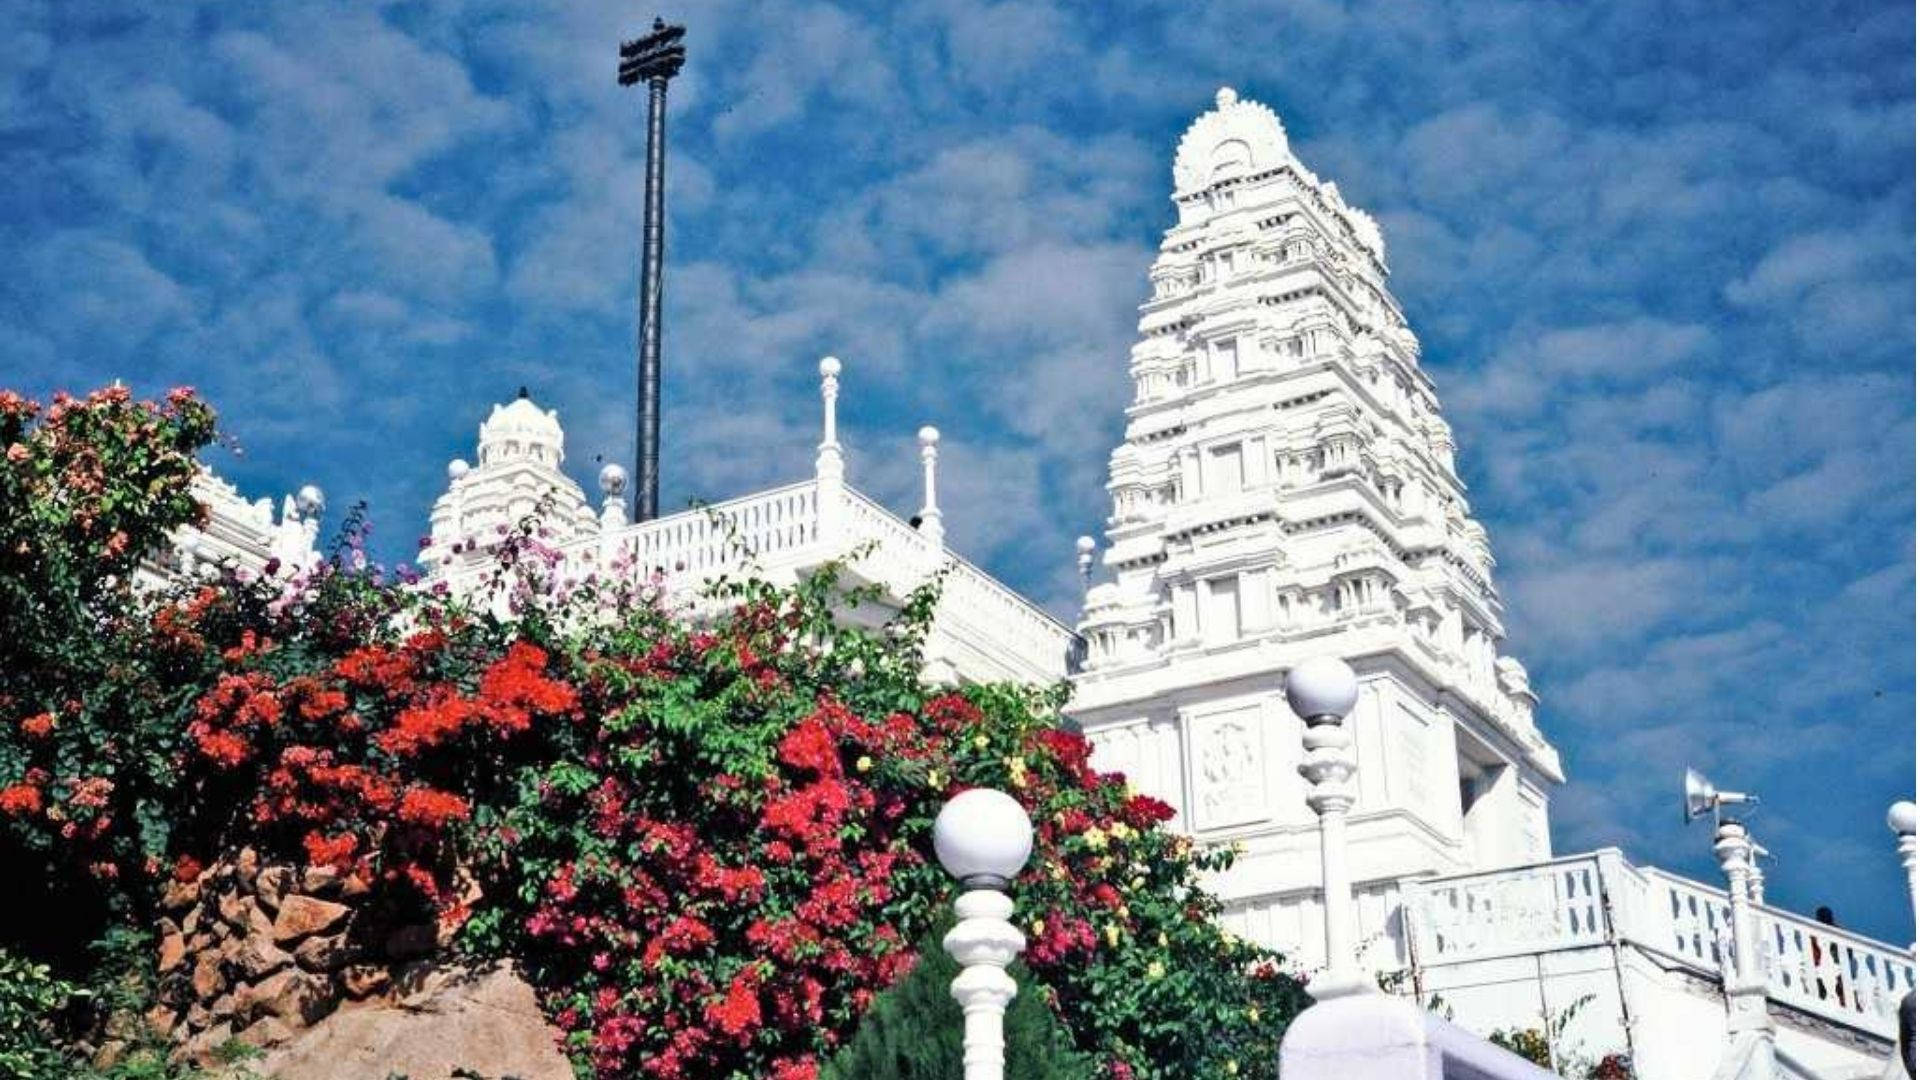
(1286, 489)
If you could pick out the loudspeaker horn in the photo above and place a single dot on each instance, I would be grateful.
(1700, 796)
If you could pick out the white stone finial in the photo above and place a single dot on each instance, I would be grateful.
(1226, 96)
(458, 468)
(828, 465)
(930, 524)
(1083, 556)
(310, 501)
(613, 507)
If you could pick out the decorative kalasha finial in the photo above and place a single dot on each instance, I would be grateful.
(1900, 818)
(1083, 556)
(983, 837)
(653, 59)
(457, 468)
(1225, 96)
(1322, 691)
(930, 523)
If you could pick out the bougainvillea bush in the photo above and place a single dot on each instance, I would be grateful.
(703, 831)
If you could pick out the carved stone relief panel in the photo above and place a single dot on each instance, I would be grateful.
(1228, 764)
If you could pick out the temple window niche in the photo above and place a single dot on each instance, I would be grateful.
(1485, 787)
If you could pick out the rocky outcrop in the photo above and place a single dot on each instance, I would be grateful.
(262, 954)
(453, 1022)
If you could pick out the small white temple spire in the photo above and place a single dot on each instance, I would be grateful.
(1083, 559)
(829, 467)
(930, 524)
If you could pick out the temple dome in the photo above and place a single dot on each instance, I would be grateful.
(1236, 138)
(522, 430)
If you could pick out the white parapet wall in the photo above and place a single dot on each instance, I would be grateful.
(1646, 951)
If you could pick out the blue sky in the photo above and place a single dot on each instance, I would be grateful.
(1660, 255)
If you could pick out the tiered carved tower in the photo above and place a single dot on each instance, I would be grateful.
(1286, 488)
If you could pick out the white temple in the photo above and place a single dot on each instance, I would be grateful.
(239, 535)
(1285, 489)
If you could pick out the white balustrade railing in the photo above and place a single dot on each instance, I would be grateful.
(1595, 899)
(783, 529)
(1553, 905)
(712, 540)
(1832, 973)
(970, 600)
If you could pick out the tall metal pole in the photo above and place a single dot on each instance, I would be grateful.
(654, 58)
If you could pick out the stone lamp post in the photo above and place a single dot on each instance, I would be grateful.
(1900, 818)
(1322, 691)
(983, 837)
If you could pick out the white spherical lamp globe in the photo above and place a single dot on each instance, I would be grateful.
(613, 479)
(983, 837)
(457, 468)
(1322, 686)
(310, 499)
(1084, 545)
(829, 366)
(1900, 818)
(929, 435)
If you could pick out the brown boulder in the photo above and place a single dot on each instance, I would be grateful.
(208, 980)
(272, 885)
(257, 958)
(161, 1020)
(200, 1049)
(302, 916)
(485, 1020)
(321, 881)
(291, 994)
(173, 950)
(267, 1033)
(326, 952)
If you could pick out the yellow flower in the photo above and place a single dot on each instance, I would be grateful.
(1123, 912)
(865, 763)
(1137, 883)
(1163, 940)
(1017, 771)
(979, 742)
(1253, 1013)
(1095, 839)
(1113, 935)
(1039, 927)
(935, 780)
(1233, 1068)
(1156, 970)
(1120, 830)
